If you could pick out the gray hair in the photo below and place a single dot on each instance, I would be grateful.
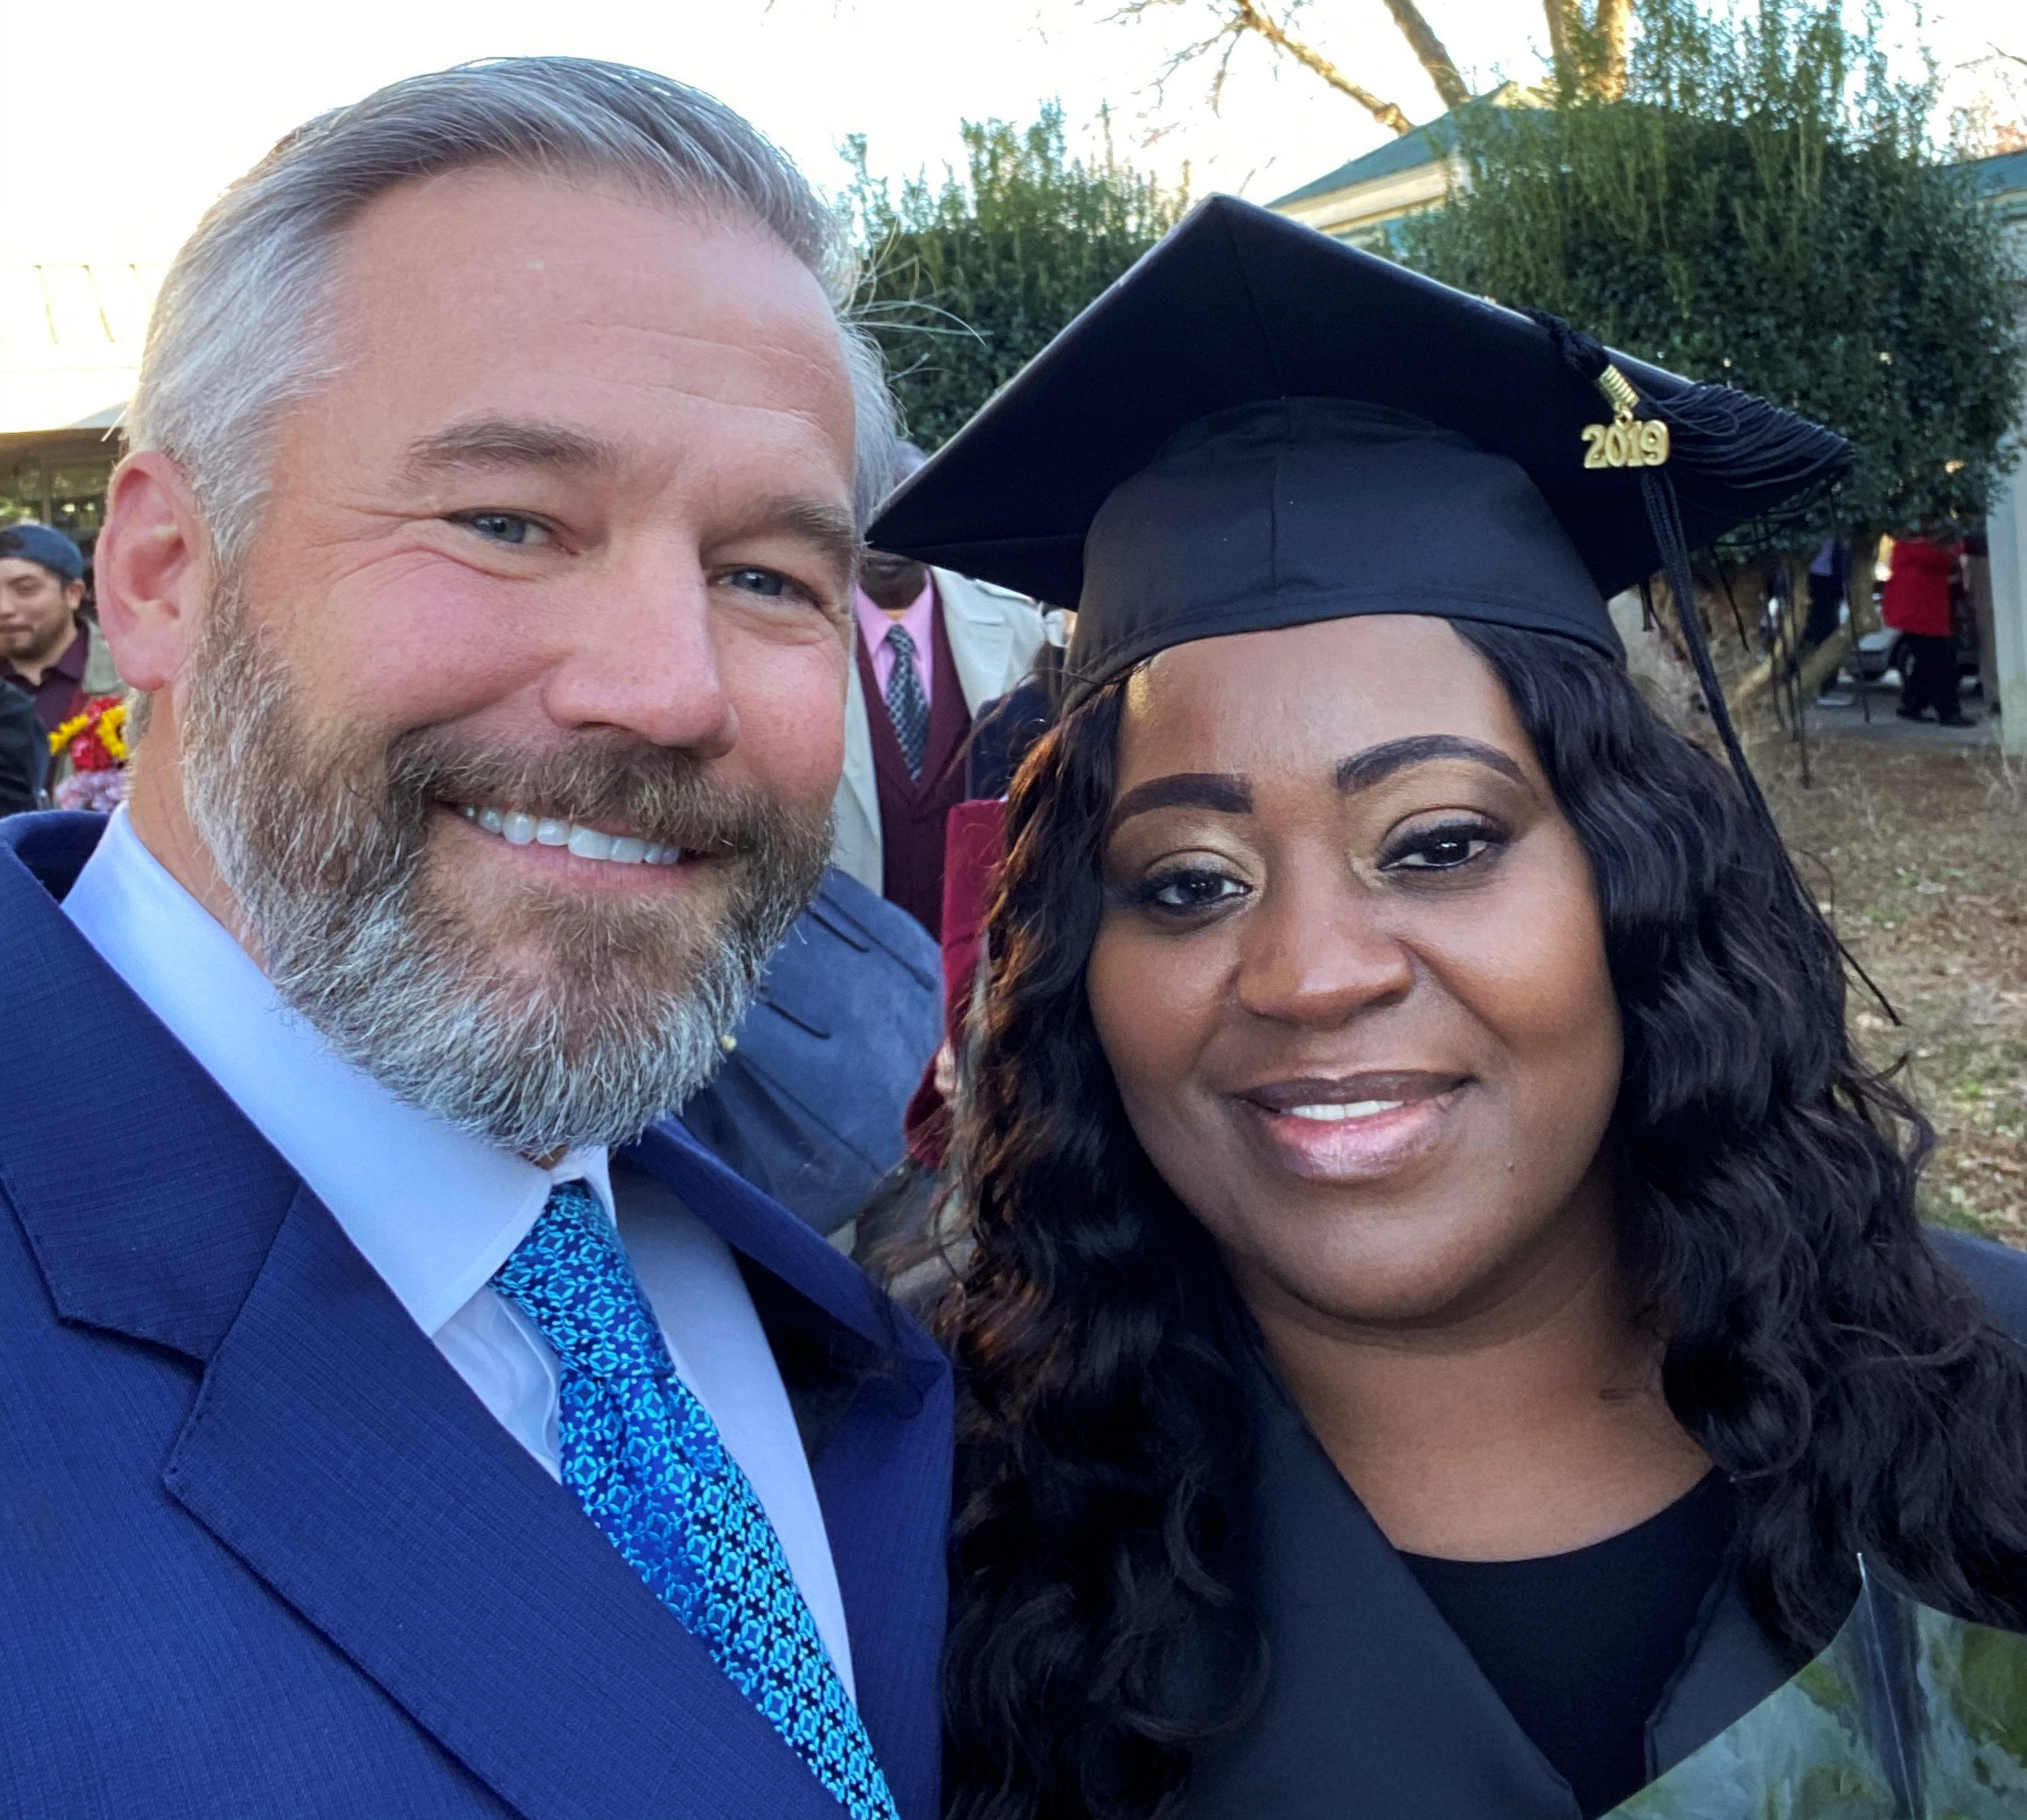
(242, 330)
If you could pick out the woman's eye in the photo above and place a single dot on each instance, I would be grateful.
(508, 527)
(1438, 850)
(1192, 890)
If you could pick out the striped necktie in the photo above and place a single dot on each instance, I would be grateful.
(644, 1459)
(906, 702)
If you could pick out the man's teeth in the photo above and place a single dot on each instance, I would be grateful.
(521, 830)
(1354, 1108)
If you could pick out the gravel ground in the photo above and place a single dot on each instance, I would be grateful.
(1916, 839)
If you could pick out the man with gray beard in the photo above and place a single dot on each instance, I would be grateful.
(403, 1416)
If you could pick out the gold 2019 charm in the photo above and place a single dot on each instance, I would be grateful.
(1626, 441)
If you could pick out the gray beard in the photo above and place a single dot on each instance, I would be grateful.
(323, 841)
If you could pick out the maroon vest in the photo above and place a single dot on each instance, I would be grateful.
(913, 811)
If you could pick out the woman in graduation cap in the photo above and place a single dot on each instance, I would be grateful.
(1447, 1311)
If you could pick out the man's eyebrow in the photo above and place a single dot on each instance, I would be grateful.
(1183, 789)
(485, 443)
(1364, 769)
(829, 527)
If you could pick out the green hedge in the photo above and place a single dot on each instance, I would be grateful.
(968, 279)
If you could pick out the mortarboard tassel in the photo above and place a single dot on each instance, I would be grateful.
(1735, 437)
(1731, 437)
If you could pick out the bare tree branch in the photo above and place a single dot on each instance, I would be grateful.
(1242, 18)
(1429, 53)
(1590, 53)
(1614, 29)
(1250, 15)
(1560, 13)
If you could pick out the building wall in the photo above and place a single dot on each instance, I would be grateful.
(2006, 523)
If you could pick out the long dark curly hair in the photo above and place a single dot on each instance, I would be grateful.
(1839, 1374)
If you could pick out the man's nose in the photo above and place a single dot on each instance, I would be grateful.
(1320, 949)
(641, 654)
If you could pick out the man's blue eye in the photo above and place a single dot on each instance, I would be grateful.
(502, 526)
(763, 582)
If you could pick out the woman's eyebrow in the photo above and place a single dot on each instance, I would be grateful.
(1364, 769)
(1184, 789)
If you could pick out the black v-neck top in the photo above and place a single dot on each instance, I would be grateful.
(1580, 1647)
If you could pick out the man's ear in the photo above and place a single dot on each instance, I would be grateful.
(74, 595)
(153, 565)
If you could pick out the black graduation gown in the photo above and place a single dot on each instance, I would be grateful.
(1374, 1710)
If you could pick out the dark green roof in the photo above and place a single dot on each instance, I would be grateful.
(1999, 175)
(1423, 146)
(1995, 175)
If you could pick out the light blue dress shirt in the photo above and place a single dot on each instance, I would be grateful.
(435, 1211)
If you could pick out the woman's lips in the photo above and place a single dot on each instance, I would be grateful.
(1352, 1128)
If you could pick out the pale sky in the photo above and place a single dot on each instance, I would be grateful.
(120, 119)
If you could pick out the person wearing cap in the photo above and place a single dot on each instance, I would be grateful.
(48, 649)
(1446, 1313)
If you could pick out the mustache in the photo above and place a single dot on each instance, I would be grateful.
(656, 793)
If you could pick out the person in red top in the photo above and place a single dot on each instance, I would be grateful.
(1916, 604)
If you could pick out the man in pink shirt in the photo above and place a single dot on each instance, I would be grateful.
(932, 647)
(897, 611)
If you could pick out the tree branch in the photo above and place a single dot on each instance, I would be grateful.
(1429, 53)
(1559, 13)
(1614, 30)
(1249, 16)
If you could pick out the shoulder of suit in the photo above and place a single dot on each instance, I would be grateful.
(991, 588)
(1997, 1272)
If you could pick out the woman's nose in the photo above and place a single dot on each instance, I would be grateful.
(1319, 950)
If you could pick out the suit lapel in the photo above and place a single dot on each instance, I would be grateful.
(883, 1472)
(1371, 1705)
(148, 1202)
(1730, 1665)
(336, 1453)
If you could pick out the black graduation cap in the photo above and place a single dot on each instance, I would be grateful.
(1260, 426)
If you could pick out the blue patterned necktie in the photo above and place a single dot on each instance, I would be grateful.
(645, 1460)
(906, 702)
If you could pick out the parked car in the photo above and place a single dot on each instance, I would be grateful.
(1879, 652)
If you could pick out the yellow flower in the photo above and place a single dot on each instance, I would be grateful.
(68, 731)
(112, 727)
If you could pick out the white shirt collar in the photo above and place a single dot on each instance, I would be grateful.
(432, 1209)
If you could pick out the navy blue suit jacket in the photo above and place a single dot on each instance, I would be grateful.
(263, 1553)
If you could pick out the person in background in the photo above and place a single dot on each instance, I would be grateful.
(1828, 571)
(933, 647)
(24, 753)
(1006, 731)
(1916, 604)
(48, 649)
